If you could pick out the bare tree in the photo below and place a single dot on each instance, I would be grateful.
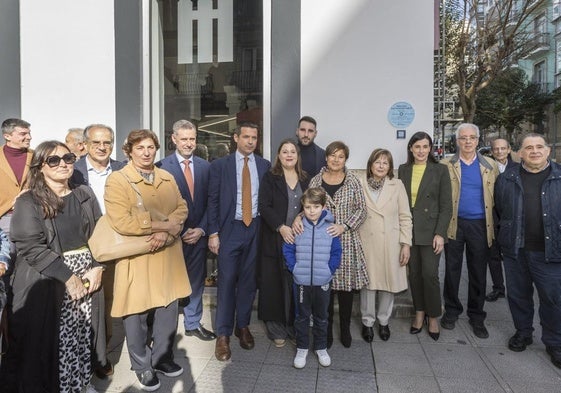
(484, 37)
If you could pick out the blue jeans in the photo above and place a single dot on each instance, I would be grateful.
(521, 272)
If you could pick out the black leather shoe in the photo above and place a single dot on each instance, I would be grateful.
(479, 329)
(148, 381)
(518, 343)
(169, 369)
(201, 333)
(384, 332)
(102, 372)
(447, 323)
(494, 295)
(555, 353)
(367, 333)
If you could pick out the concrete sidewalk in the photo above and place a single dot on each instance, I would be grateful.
(458, 362)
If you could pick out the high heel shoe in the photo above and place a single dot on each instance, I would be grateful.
(415, 330)
(434, 335)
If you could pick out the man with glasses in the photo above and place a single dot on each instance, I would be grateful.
(473, 179)
(93, 170)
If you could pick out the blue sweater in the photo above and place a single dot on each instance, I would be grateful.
(315, 255)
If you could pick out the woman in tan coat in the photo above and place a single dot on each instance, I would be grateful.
(150, 282)
(386, 239)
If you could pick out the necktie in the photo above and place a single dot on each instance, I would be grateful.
(246, 194)
(189, 179)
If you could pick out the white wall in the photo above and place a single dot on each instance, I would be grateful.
(358, 58)
(67, 65)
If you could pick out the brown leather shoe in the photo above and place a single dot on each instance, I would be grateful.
(246, 339)
(222, 348)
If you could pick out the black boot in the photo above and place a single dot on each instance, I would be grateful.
(345, 310)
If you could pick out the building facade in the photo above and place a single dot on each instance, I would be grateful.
(146, 63)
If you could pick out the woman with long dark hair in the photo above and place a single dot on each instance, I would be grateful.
(429, 191)
(54, 277)
(280, 191)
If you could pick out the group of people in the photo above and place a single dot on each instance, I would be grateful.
(306, 231)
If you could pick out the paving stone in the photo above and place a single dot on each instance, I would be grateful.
(457, 361)
(281, 379)
(395, 383)
(469, 385)
(401, 359)
(335, 381)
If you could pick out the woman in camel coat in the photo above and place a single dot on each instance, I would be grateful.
(151, 282)
(386, 239)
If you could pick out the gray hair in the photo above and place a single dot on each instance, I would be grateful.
(183, 124)
(77, 134)
(9, 125)
(94, 126)
(523, 137)
(467, 125)
(500, 139)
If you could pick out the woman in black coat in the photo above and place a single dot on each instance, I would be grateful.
(54, 278)
(279, 202)
(430, 195)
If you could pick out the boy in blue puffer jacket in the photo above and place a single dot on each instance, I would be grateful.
(313, 259)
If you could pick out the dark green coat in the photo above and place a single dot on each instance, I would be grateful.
(433, 207)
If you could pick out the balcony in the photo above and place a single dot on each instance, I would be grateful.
(513, 19)
(537, 45)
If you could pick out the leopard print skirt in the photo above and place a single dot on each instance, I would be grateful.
(75, 369)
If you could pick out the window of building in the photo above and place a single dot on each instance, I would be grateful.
(208, 65)
(539, 75)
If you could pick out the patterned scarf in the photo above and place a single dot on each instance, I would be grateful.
(376, 185)
(149, 177)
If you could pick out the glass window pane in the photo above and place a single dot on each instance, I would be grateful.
(212, 67)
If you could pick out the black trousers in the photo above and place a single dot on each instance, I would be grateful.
(471, 235)
(496, 267)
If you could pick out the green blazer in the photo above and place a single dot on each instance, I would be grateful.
(433, 207)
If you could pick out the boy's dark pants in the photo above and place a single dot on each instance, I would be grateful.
(311, 300)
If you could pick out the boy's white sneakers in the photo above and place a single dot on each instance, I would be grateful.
(323, 358)
(300, 358)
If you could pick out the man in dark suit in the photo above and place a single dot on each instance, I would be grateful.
(500, 149)
(92, 170)
(233, 225)
(313, 156)
(193, 186)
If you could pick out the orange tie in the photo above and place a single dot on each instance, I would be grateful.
(189, 179)
(247, 215)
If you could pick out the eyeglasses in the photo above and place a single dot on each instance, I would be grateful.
(105, 144)
(468, 138)
(54, 161)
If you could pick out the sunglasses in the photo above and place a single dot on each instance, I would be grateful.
(54, 161)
